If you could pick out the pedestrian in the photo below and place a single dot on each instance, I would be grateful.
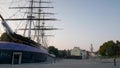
(114, 61)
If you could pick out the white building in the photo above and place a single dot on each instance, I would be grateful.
(76, 51)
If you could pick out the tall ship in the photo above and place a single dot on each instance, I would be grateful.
(27, 44)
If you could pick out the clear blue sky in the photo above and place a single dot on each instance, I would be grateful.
(86, 22)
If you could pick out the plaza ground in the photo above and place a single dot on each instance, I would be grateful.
(69, 63)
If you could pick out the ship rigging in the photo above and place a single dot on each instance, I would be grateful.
(31, 47)
(35, 17)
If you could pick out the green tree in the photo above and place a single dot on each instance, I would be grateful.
(5, 37)
(53, 50)
(117, 47)
(108, 49)
(62, 53)
(102, 50)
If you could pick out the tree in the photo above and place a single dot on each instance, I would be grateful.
(62, 53)
(5, 37)
(53, 50)
(117, 42)
(117, 47)
(102, 50)
(108, 49)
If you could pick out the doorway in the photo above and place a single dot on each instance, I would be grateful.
(16, 58)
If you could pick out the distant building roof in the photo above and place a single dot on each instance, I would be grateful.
(75, 51)
(20, 47)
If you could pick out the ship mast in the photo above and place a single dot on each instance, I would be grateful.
(37, 16)
(31, 10)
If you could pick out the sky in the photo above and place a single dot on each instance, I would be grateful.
(85, 22)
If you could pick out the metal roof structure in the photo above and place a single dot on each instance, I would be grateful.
(20, 47)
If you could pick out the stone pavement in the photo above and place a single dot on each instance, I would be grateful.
(66, 63)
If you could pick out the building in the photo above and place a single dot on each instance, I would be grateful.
(75, 51)
(78, 53)
(14, 53)
(85, 54)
